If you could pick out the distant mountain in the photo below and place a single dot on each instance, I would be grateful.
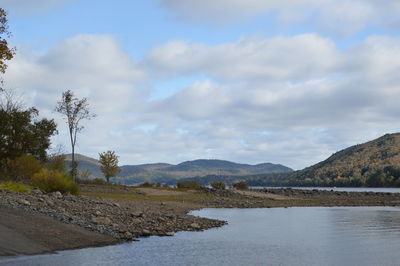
(374, 163)
(163, 172)
(85, 163)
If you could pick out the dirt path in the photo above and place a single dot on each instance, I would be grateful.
(31, 233)
(263, 195)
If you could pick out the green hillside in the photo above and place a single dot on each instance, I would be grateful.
(375, 163)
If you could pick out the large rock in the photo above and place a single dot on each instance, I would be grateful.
(24, 202)
(195, 226)
(128, 235)
(145, 232)
(101, 220)
(57, 195)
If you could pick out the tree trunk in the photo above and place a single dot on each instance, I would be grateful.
(73, 165)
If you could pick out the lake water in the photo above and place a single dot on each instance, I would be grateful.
(276, 236)
(348, 189)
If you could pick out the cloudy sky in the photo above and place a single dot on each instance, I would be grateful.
(251, 81)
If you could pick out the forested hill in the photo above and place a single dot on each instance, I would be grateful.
(374, 163)
(163, 172)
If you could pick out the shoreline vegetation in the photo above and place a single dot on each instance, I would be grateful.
(109, 214)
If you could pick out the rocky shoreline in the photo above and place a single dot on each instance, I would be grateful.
(167, 213)
(121, 220)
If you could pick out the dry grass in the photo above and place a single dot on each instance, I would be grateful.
(173, 196)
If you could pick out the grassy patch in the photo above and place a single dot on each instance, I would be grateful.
(16, 187)
(134, 196)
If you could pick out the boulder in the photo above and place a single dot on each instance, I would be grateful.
(145, 232)
(101, 220)
(137, 214)
(37, 191)
(195, 226)
(128, 235)
(24, 202)
(57, 195)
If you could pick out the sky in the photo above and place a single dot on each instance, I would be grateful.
(250, 81)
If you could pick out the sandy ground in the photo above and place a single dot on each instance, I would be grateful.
(263, 195)
(42, 234)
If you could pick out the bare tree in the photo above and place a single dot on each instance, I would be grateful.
(10, 102)
(74, 110)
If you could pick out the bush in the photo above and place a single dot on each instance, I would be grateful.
(240, 185)
(50, 181)
(189, 185)
(15, 187)
(218, 185)
(21, 169)
(57, 163)
(147, 184)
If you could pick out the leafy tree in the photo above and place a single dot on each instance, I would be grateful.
(74, 110)
(6, 53)
(22, 133)
(109, 164)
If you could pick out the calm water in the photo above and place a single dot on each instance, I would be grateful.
(280, 236)
(349, 189)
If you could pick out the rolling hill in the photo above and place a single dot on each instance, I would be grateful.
(374, 163)
(163, 172)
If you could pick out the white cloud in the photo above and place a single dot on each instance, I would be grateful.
(279, 58)
(342, 17)
(91, 66)
(30, 7)
(301, 87)
(291, 100)
(225, 10)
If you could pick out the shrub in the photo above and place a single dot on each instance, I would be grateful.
(189, 185)
(15, 187)
(218, 185)
(21, 168)
(50, 181)
(147, 184)
(240, 185)
(57, 163)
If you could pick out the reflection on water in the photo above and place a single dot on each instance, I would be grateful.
(280, 236)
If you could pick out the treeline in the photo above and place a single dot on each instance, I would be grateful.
(24, 141)
(386, 176)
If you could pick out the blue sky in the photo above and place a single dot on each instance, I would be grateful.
(250, 81)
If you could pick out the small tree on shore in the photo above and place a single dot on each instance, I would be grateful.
(240, 185)
(109, 164)
(74, 110)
